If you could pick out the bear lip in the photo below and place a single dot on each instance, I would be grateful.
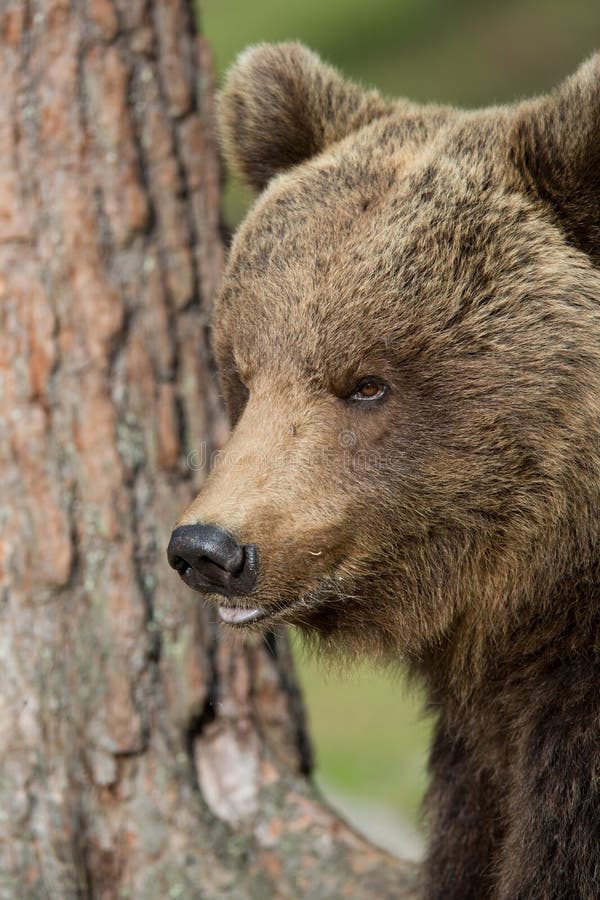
(237, 615)
(242, 616)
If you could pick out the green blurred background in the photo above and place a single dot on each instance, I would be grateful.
(369, 735)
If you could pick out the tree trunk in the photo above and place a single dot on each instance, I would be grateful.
(142, 753)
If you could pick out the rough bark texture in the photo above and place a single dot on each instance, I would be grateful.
(142, 754)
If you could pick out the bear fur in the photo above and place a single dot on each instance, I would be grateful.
(453, 257)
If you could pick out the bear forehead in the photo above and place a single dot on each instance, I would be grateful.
(344, 208)
(356, 246)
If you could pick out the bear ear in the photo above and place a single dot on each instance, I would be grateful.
(557, 147)
(281, 105)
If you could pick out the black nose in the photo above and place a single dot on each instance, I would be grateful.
(209, 559)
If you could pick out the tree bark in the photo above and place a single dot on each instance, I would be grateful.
(142, 753)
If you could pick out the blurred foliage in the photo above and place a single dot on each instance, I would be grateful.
(370, 739)
(370, 732)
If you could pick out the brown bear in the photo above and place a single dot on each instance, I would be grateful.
(408, 339)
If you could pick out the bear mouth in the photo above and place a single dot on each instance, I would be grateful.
(291, 610)
(244, 617)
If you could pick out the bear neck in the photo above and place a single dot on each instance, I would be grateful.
(540, 642)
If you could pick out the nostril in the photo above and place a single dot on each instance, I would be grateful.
(179, 564)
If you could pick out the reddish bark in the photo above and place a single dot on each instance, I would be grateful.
(142, 754)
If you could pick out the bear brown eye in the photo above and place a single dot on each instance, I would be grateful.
(370, 388)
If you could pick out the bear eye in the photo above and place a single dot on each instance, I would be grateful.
(369, 389)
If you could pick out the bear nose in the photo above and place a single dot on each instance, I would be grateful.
(208, 558)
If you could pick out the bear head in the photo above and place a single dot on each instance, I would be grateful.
(408, 341)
